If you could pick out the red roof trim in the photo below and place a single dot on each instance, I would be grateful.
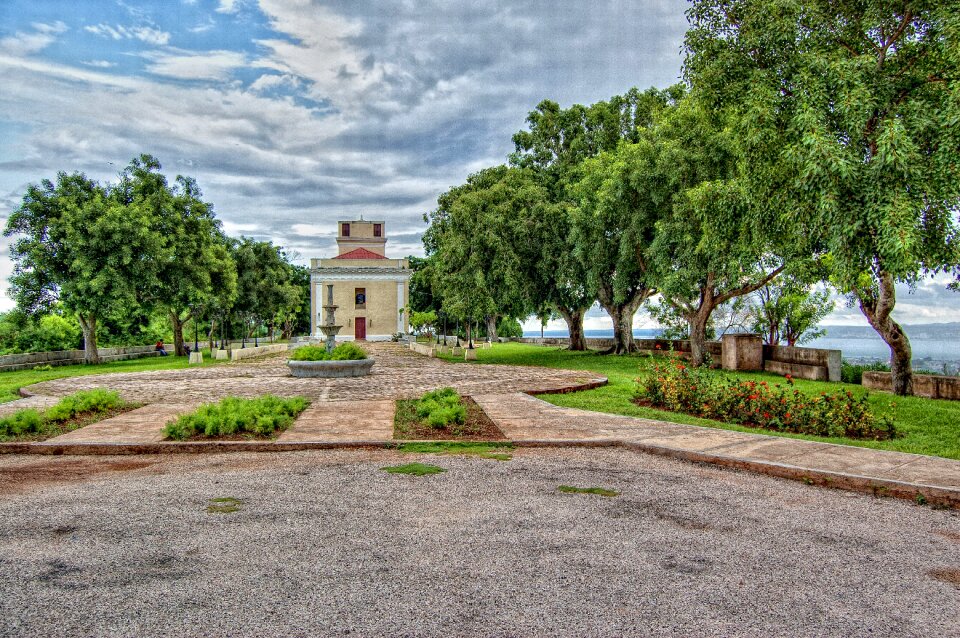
(360, 253)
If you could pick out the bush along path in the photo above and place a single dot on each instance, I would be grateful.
(70, 413)
(443, 414)
(263, 417)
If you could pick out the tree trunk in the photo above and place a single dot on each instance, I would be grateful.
(574, 319)
(491, 327)
(177, 324)
(469, 333)
(622, 316)
(213, 324)
(88, 323)
(697, 322)
(877, 310)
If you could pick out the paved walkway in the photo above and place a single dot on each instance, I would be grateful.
(398, 373)
(143, 425)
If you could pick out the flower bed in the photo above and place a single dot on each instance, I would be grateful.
(347, 351)
(263, 417)
(673, 385)
(443, 414)
(71, 412)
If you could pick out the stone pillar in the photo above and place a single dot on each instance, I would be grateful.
(196, 357)
(313, 308)
(742, 351)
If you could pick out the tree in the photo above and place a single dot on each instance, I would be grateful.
(197, 270)
(421, 321)
(715, 242)
(264, 284)
(851, 107)
(790, 310)
(476, 272)
(81, 245)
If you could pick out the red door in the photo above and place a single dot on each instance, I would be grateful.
(360, 328)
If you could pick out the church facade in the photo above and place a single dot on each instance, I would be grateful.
(370, 290)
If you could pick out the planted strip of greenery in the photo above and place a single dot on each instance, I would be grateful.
(570, 489)
(261, 417)
(347, 351)
(442, 408)
(77, 408)
(416, 469)
(676, 386)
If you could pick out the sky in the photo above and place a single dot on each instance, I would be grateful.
(292, 114)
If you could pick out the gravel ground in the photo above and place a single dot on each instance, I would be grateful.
(325, 543)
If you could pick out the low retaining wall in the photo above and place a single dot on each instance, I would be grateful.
(924, 385)
(71, 357)
(258, 351)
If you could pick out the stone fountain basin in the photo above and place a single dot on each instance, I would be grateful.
(331, 369)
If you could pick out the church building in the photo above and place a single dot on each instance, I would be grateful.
(370, 290)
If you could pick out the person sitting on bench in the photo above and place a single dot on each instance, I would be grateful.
(159, 348)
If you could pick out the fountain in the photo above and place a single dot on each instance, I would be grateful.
(327, 368)
(328, 327)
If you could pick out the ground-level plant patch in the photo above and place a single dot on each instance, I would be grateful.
(347, 351)
(224, 505)
(71, 412)
(601, 491)
(233, 417)
(416, 469)
(497, 451)
(442, 415)
(675, 386)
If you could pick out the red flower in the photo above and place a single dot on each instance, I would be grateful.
(753, 397)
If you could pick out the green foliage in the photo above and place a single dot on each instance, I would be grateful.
(509, 327)
(21, 422)
(20, 332)
(601, 491)
(84, 402)
(441, 408)
(346, 351)
(675, 386)
(421, 322)
(853, 373)
(415, 469)
(224, 505)
(790, 310)
(261, 417)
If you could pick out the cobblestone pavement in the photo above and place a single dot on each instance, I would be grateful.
(398, 373)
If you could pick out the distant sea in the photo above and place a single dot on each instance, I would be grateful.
(859, 347)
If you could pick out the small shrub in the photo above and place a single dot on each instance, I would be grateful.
(347, 351)
(442, 408)
(263, 416)
(853, 373)
(28, 421)
(84, 402)
(677, 387)
(43, 368)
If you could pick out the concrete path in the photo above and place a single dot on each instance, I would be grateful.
(143, 425)
(343, 421)
(524, 418)
(36, 402)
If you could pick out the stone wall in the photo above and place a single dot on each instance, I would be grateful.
(803, 363)
(71, 357)
(250, 351)
(924, 385)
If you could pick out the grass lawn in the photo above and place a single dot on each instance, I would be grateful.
(928, 426)
(11, 382)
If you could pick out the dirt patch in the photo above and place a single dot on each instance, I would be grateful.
(949, 575)
(948, 534)
(23, 478)
(478, 426)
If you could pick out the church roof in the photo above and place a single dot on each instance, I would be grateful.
(360, 253)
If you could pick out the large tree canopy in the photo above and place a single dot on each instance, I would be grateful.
(852, 108)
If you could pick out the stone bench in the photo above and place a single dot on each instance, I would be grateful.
(797, 370)
(924, 385)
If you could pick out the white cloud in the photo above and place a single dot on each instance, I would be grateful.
(228, 6)
(186, 65)
(99, 64)
(147, 35)
(26, 43)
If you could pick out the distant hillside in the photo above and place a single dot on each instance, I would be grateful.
(917, 331)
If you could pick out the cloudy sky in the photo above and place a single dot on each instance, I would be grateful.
(294, 113)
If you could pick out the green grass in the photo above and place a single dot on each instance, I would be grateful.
(347, 351)
(416, 469)
(569, 489)
(261, 417)
(11, 382)
(495, 451)
(224, 505)
(929, 426)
